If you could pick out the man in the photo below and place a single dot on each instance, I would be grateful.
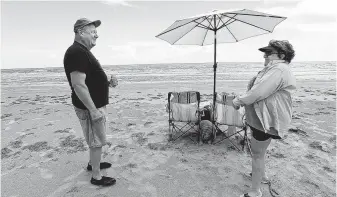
(90, 94)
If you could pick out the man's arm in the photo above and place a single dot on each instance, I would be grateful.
(82, 91)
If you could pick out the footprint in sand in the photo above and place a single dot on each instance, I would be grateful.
(20, 133)
(148, 123)
(328, 169)
(66, 130)
(5, 152)
(49, 124)
(322, 146)
(131, 124)
(11, 122)
(16, 144)
(48, 154)
(45, 173)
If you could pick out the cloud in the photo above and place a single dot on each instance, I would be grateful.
(119, 3)
(306, 15)
(325, 27)
(44, 53)
(150, 52)
(314, 7)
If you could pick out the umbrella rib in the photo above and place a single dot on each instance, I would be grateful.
(210, 22)
(247, 23)
(229, 30)
(202, 25)
(227, 22)
(176, 27)
(185, 33)
(202, 43)
(232, 34)
(273, 16)
(218, 22)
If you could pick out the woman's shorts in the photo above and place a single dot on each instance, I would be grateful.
(261, 135)
(94, 131)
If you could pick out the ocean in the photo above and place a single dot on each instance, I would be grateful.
(166, 73)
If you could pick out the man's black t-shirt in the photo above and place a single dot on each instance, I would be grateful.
(79, 58)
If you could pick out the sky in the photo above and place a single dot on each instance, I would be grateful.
(36, 34)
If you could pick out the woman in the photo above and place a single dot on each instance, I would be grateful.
(268, 106)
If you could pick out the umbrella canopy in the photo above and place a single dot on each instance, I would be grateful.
(230, 26)
(219, 27)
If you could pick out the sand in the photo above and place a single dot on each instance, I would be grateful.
(44, 154)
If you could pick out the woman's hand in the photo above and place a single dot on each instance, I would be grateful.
(236, 103)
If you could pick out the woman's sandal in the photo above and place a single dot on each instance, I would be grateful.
(247, 195)
(264, 181)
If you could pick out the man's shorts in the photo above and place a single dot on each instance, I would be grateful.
(94, 131)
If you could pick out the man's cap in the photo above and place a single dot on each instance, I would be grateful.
(84, 22)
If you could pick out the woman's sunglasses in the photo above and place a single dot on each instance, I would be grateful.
(269, 53)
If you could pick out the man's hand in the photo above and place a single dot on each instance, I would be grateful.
(113, 81)
(95, 114)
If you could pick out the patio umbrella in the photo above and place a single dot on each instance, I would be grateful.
(219, 27)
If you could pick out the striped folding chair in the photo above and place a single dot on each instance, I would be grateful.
(226, 115)
(184, 116)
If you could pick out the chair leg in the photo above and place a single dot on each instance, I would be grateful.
(246, 140)
(199, 133)
(175, 129)
(170, 131)
(248, 144)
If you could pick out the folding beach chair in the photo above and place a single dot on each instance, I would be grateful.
(226, 115)
(184, 116)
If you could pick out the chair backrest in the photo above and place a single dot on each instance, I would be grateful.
(184, 97)
(225, 113)
(184, 106)
(224, 98)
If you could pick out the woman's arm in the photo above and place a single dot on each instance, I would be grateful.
(269, 84)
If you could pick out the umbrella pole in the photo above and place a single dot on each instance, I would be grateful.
(214, 68)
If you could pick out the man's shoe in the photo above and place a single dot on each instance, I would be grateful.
(102, 165)
(105, 181)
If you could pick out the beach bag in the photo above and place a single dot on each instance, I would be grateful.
(225, 113)
(206, 131)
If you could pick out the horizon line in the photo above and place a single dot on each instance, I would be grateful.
(166, 63)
